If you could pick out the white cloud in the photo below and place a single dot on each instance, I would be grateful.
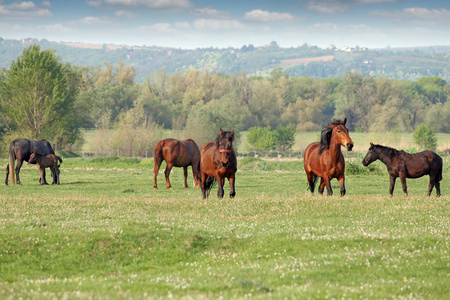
(46, 4)
(338, 6)
(415, 14)
(211, 13)
(23, 10)
(165, 27)
(217, 24)
(153, 4)
(56, 28)
(266, 16)
(94, 21)
(125, 14)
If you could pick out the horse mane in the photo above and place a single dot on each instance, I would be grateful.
(388, 151)
(325, 137)
(225, 135)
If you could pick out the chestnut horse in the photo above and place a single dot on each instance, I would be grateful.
(177, 153)
(218, 161)
(406, 165)
(324, 159)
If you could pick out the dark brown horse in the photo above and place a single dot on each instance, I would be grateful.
(177, 153)
(50, 161)
(324, 159)
(218, 161)
(21, 150)
(407, 165)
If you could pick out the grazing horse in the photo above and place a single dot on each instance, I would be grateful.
(218, 160)
(407, 165)
(324, 159)
(49, 161)
(21, 149)
(177, 153)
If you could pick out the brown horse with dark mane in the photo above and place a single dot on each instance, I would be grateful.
(218, 161)
(177, 153)
(407, 165)
(324, 159)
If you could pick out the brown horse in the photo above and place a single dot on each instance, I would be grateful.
(50, 161)
(177, 153)
(218, 161)
(324, 159)
(406, 165)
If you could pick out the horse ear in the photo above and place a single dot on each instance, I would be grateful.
(345, 121)
(331, 125)
(371, 145)
(220, 132)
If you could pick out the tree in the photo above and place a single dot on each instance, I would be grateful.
(262, 138)
(38, 96)
(424, 137)
(286, 137)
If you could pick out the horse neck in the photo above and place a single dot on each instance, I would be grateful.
(335, 148)
(386, 159)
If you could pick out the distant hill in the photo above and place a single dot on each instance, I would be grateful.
(398, 63)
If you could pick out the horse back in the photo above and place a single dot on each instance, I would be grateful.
(421, 163)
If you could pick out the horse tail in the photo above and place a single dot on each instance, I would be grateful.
(158, 153)
(439, 174)
(209, 183)
(12, 159)
(59, 158)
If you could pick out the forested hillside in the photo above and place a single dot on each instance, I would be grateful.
(403, 64)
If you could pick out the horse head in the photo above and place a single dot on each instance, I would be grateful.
(224, 143)
(32, 159)
(341, 134)
(371, 156)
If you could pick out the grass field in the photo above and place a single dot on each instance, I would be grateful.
(105, 233)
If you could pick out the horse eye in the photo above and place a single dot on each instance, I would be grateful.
(339, 131)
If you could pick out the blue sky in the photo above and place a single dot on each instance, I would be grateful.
(192, 24)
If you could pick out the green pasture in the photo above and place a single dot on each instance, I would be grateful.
(105, 233)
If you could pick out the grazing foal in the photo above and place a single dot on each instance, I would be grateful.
(49, 161)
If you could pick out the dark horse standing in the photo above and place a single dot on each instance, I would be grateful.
(218, 161)
(406, 165)
(324, 159)
(21, 150)
(176, 153)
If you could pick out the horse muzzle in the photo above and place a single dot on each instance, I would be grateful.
(349, 146)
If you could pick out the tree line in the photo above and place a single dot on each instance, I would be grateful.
(43, 97)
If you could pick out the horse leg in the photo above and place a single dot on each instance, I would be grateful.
(220, 191)
(167, 173)
(312, 181)
(43, 182)
(156, 166)
(327, 182)
(17, 169)
(321, 186)
(232, 190)
(202, 184)
(342, 184)
(438, 188)
(185, 177)
(403, 181)
(391, 184)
